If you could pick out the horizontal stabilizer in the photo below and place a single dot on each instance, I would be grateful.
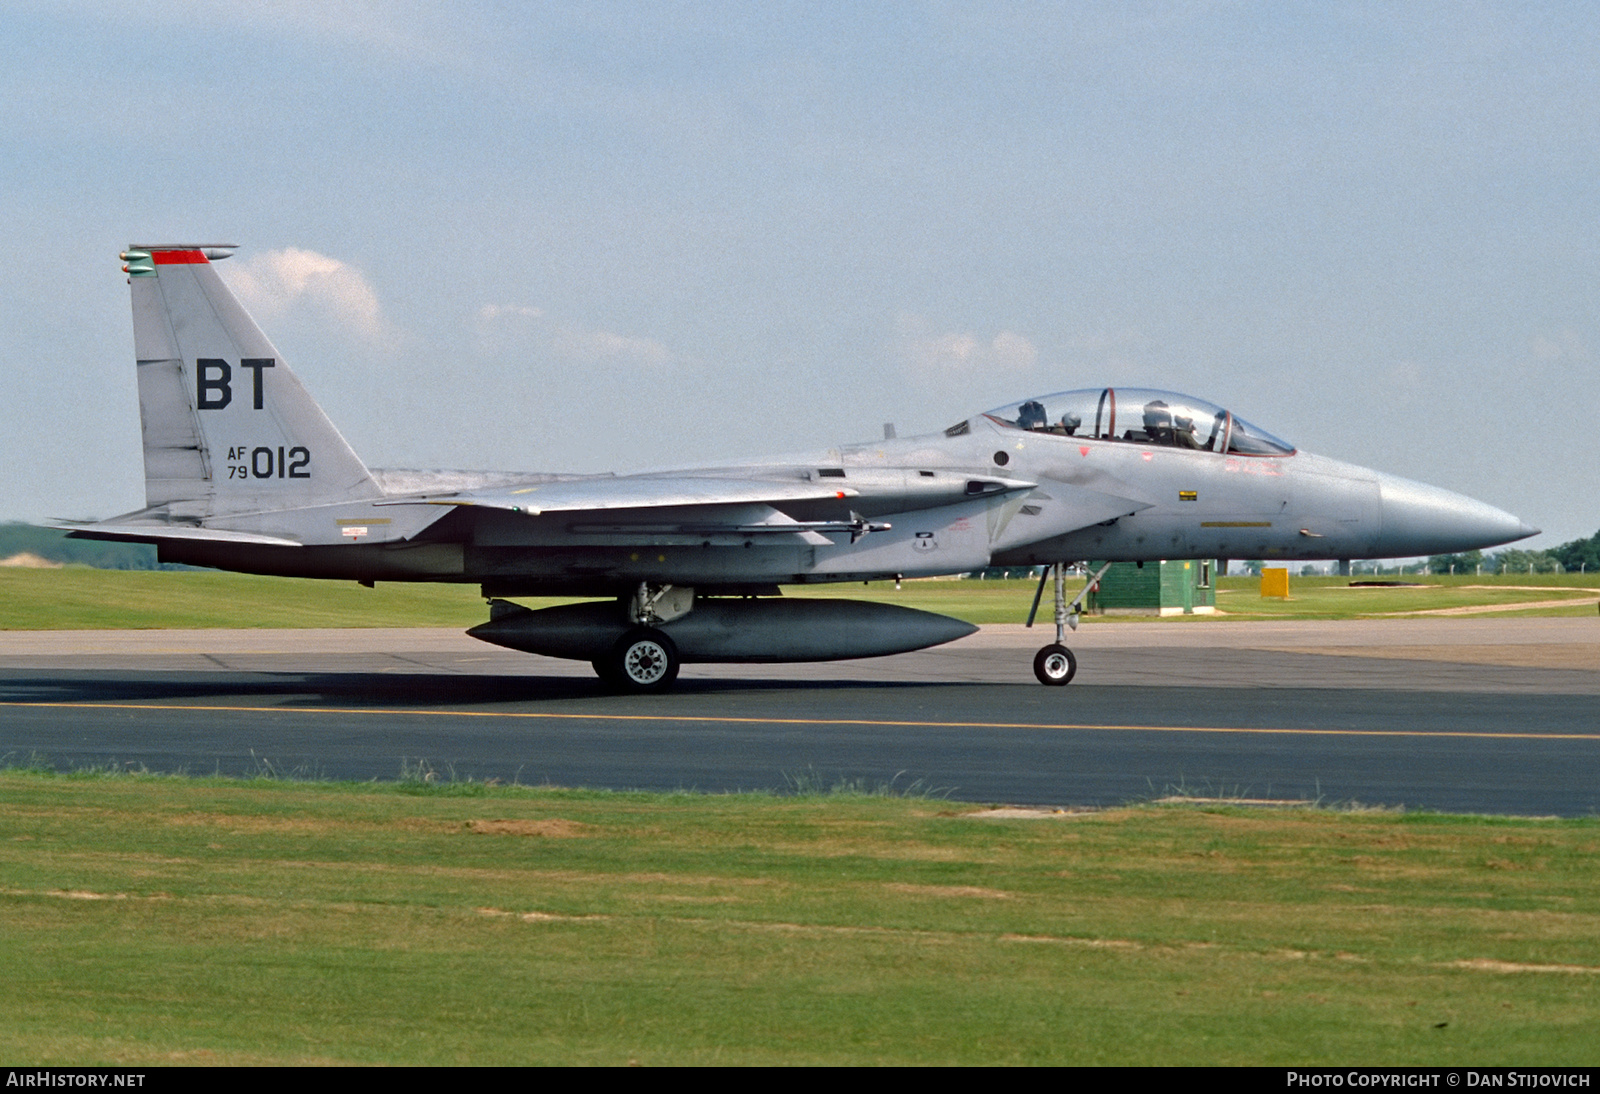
(156, 531)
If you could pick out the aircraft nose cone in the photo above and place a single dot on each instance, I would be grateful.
(1424, 520)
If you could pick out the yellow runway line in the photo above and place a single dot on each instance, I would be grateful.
(711, 719)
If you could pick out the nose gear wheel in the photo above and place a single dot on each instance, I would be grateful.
(1055, 666)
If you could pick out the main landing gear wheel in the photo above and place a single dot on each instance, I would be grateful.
(644, 659)
(1055, 666)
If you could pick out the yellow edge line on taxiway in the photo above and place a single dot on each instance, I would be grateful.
(732, 720)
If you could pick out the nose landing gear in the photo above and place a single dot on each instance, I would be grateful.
(1054, 665)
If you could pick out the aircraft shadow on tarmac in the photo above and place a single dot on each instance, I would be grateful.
(421, 690)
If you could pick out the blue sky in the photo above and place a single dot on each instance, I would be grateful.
(615, 236)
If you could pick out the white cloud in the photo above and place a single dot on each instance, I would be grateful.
(1406, 376)
(490, 312)
(1114, 344)
(598, 346)
(273, 282)
(1013, 351)
(403, 29)
(962, 353)
(575, 344)
(1563, 345)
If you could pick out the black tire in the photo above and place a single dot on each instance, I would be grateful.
(1055, 666)
(644, 659)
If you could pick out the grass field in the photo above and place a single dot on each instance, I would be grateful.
(1240, 597)
(152, 920)
(78, 598)
(1336, 598)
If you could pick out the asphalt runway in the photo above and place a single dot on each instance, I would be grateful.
(1493, 715)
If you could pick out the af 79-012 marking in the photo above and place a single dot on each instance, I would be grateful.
(243, 471)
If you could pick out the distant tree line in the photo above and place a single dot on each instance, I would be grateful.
(1580, 555)
(52, 545)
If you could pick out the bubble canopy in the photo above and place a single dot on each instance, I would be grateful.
(1145, 416)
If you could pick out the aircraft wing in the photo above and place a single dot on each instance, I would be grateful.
(713, 506)
(636, 492)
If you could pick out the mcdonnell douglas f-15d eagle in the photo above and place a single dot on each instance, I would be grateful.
(244, 472)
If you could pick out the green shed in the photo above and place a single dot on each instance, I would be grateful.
(1168, 587)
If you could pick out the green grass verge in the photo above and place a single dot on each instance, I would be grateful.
(1335, 598)
(1007, 601)
(152, 920)
(79, 598)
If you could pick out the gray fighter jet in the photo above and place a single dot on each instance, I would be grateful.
(244, 472)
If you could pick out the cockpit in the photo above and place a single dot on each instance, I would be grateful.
(1141, 416)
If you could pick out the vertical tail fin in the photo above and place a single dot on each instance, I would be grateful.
(227, 426)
